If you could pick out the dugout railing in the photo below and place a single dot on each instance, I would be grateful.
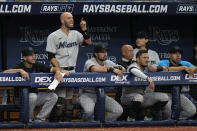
(101, 80)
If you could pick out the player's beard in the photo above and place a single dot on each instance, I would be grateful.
(176, 62)
(102, 59)
(68, 26)
(30, 63)
(144, 65)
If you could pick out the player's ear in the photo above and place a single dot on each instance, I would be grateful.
(62, 21)
(95, 54)
(24, 58)
(169, 55)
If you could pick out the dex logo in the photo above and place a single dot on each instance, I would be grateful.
(187, 77)
(56, 8)
(43, 79)
(117, 78)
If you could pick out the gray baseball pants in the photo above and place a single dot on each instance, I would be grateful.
(88, 101)
(45, 99)
(147, 100)
(188, 109)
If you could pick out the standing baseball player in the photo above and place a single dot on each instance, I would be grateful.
(88, 97)
(63, 46)
(135, 97)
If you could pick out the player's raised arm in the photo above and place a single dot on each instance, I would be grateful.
(85, 33)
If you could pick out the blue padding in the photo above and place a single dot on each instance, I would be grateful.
(176, 104)
(100, 105)
(187, 123)
(11, 125)
(63, 124)
(140, 123)
(24, 112)
(39, 80)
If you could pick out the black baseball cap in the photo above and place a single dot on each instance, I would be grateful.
(28, 51)
(100, 48)
(141, 34)
(176, 49)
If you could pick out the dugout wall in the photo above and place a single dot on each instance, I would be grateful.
(29, 24)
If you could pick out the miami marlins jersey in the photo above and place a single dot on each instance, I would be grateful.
(153, 56)
(93, 62)
(65, 47)
(140, 89)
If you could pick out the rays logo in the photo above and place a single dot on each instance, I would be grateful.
(56, 8)
(163, 37)
(187, 8)
(35, 37)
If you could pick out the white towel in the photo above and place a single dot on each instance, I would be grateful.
(55, 83)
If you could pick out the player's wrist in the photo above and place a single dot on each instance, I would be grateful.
(149, 79)
(58, 72)
(119, 68)
(160, 68)
(85, 34)
(110, 69)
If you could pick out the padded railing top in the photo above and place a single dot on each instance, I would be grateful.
(40, 80)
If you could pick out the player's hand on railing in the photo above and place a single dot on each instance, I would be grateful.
(118, 72)
(151, 83)
(24, 74)
(83, 24)
(67, 73)
(190, 71)
(152, 68)
(165, 68)
(58, 76)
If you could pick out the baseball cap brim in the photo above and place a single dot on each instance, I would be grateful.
(28, 51)
(176, 49)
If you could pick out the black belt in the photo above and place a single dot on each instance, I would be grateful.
(69, 68)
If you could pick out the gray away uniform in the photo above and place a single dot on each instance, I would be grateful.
(66, 48)
(88, 97)
(153, 56)
(138, 94)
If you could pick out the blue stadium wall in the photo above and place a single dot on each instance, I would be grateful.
(32, 30)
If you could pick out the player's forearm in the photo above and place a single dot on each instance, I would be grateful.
(195, 68)
(55, 69)
(54, 62)
(13, 70)
(99, 69)
(180, 68)
(138, 73)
